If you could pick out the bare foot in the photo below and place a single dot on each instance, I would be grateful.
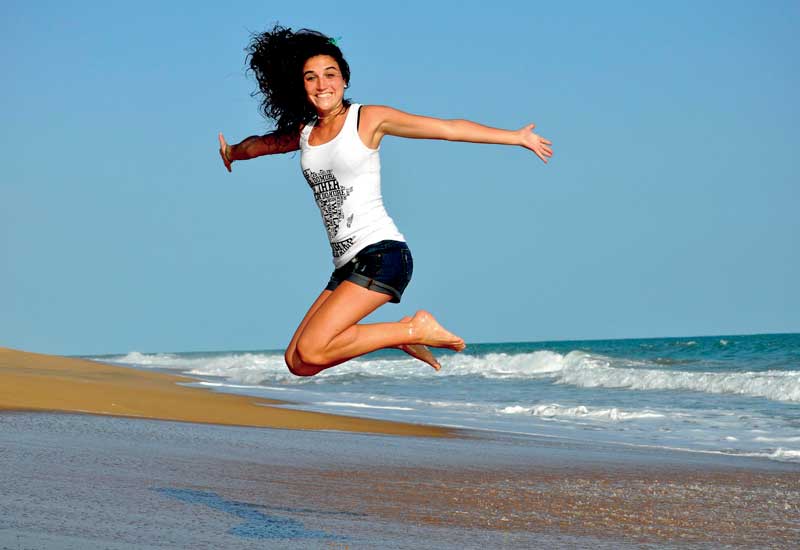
(430, 333)
(418, 351)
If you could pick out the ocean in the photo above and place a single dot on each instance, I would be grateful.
(732, 395)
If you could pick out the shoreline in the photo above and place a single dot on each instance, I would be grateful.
(33, 382)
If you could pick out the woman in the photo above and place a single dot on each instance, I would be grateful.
(302, 76)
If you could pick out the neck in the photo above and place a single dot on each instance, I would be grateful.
(323, 119)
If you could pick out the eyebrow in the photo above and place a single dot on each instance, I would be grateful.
(325, 69)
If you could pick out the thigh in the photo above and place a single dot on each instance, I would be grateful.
(346, 306)
(309, 314)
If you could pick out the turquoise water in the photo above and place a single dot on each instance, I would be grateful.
(736, 395)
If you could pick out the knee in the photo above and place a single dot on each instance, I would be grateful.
(289, 357)
(309, 353)
(297, 366)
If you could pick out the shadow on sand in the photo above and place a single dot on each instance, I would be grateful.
(255, 523)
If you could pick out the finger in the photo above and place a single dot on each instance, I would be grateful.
(225, 160)
(222, 142)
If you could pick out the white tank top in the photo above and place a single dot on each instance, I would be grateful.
(345, 177)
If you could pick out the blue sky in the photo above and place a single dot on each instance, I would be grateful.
(670, 207)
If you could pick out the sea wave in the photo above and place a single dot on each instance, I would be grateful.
(788, 455)
(535, 364)
(575, 368)
(554, 410)
(780, 454)
(249, 368)
(592, 371)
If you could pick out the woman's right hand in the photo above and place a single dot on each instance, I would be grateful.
(225, 152)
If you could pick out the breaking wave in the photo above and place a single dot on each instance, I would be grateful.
(575, 368)
(555, 410)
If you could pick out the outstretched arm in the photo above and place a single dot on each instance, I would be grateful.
(257, 146)
(379, 121)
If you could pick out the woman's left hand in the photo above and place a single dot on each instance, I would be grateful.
(535, 143)
(225, 152)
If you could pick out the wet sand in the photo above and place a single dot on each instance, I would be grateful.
(708, 507)
(36, 382)
(84, 482)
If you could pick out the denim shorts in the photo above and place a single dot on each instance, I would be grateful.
(384, 267)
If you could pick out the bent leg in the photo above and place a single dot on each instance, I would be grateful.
(332, 336)
(296, 366)
(336, 314)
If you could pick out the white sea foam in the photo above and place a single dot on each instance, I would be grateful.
(591, 371)
(239, 368)
(587, 370)
(780, 454)
(363, 406)
(243, 387)
(255, 368)
(143, 359)
(554, 410)
(235, 386)
(785, 454)
(575, 368)
(503, 365)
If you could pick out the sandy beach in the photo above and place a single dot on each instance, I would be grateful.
(118, 479)
(36, 382)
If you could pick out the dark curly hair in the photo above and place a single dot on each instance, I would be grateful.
(276, 58)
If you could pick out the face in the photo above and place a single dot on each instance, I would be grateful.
(323, 82)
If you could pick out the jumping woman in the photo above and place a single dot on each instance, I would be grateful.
(302, 76)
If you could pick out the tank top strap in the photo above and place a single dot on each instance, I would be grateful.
(351, 122)
(305, 132)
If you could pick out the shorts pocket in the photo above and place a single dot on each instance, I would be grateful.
(408, 264)
(369, 265)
